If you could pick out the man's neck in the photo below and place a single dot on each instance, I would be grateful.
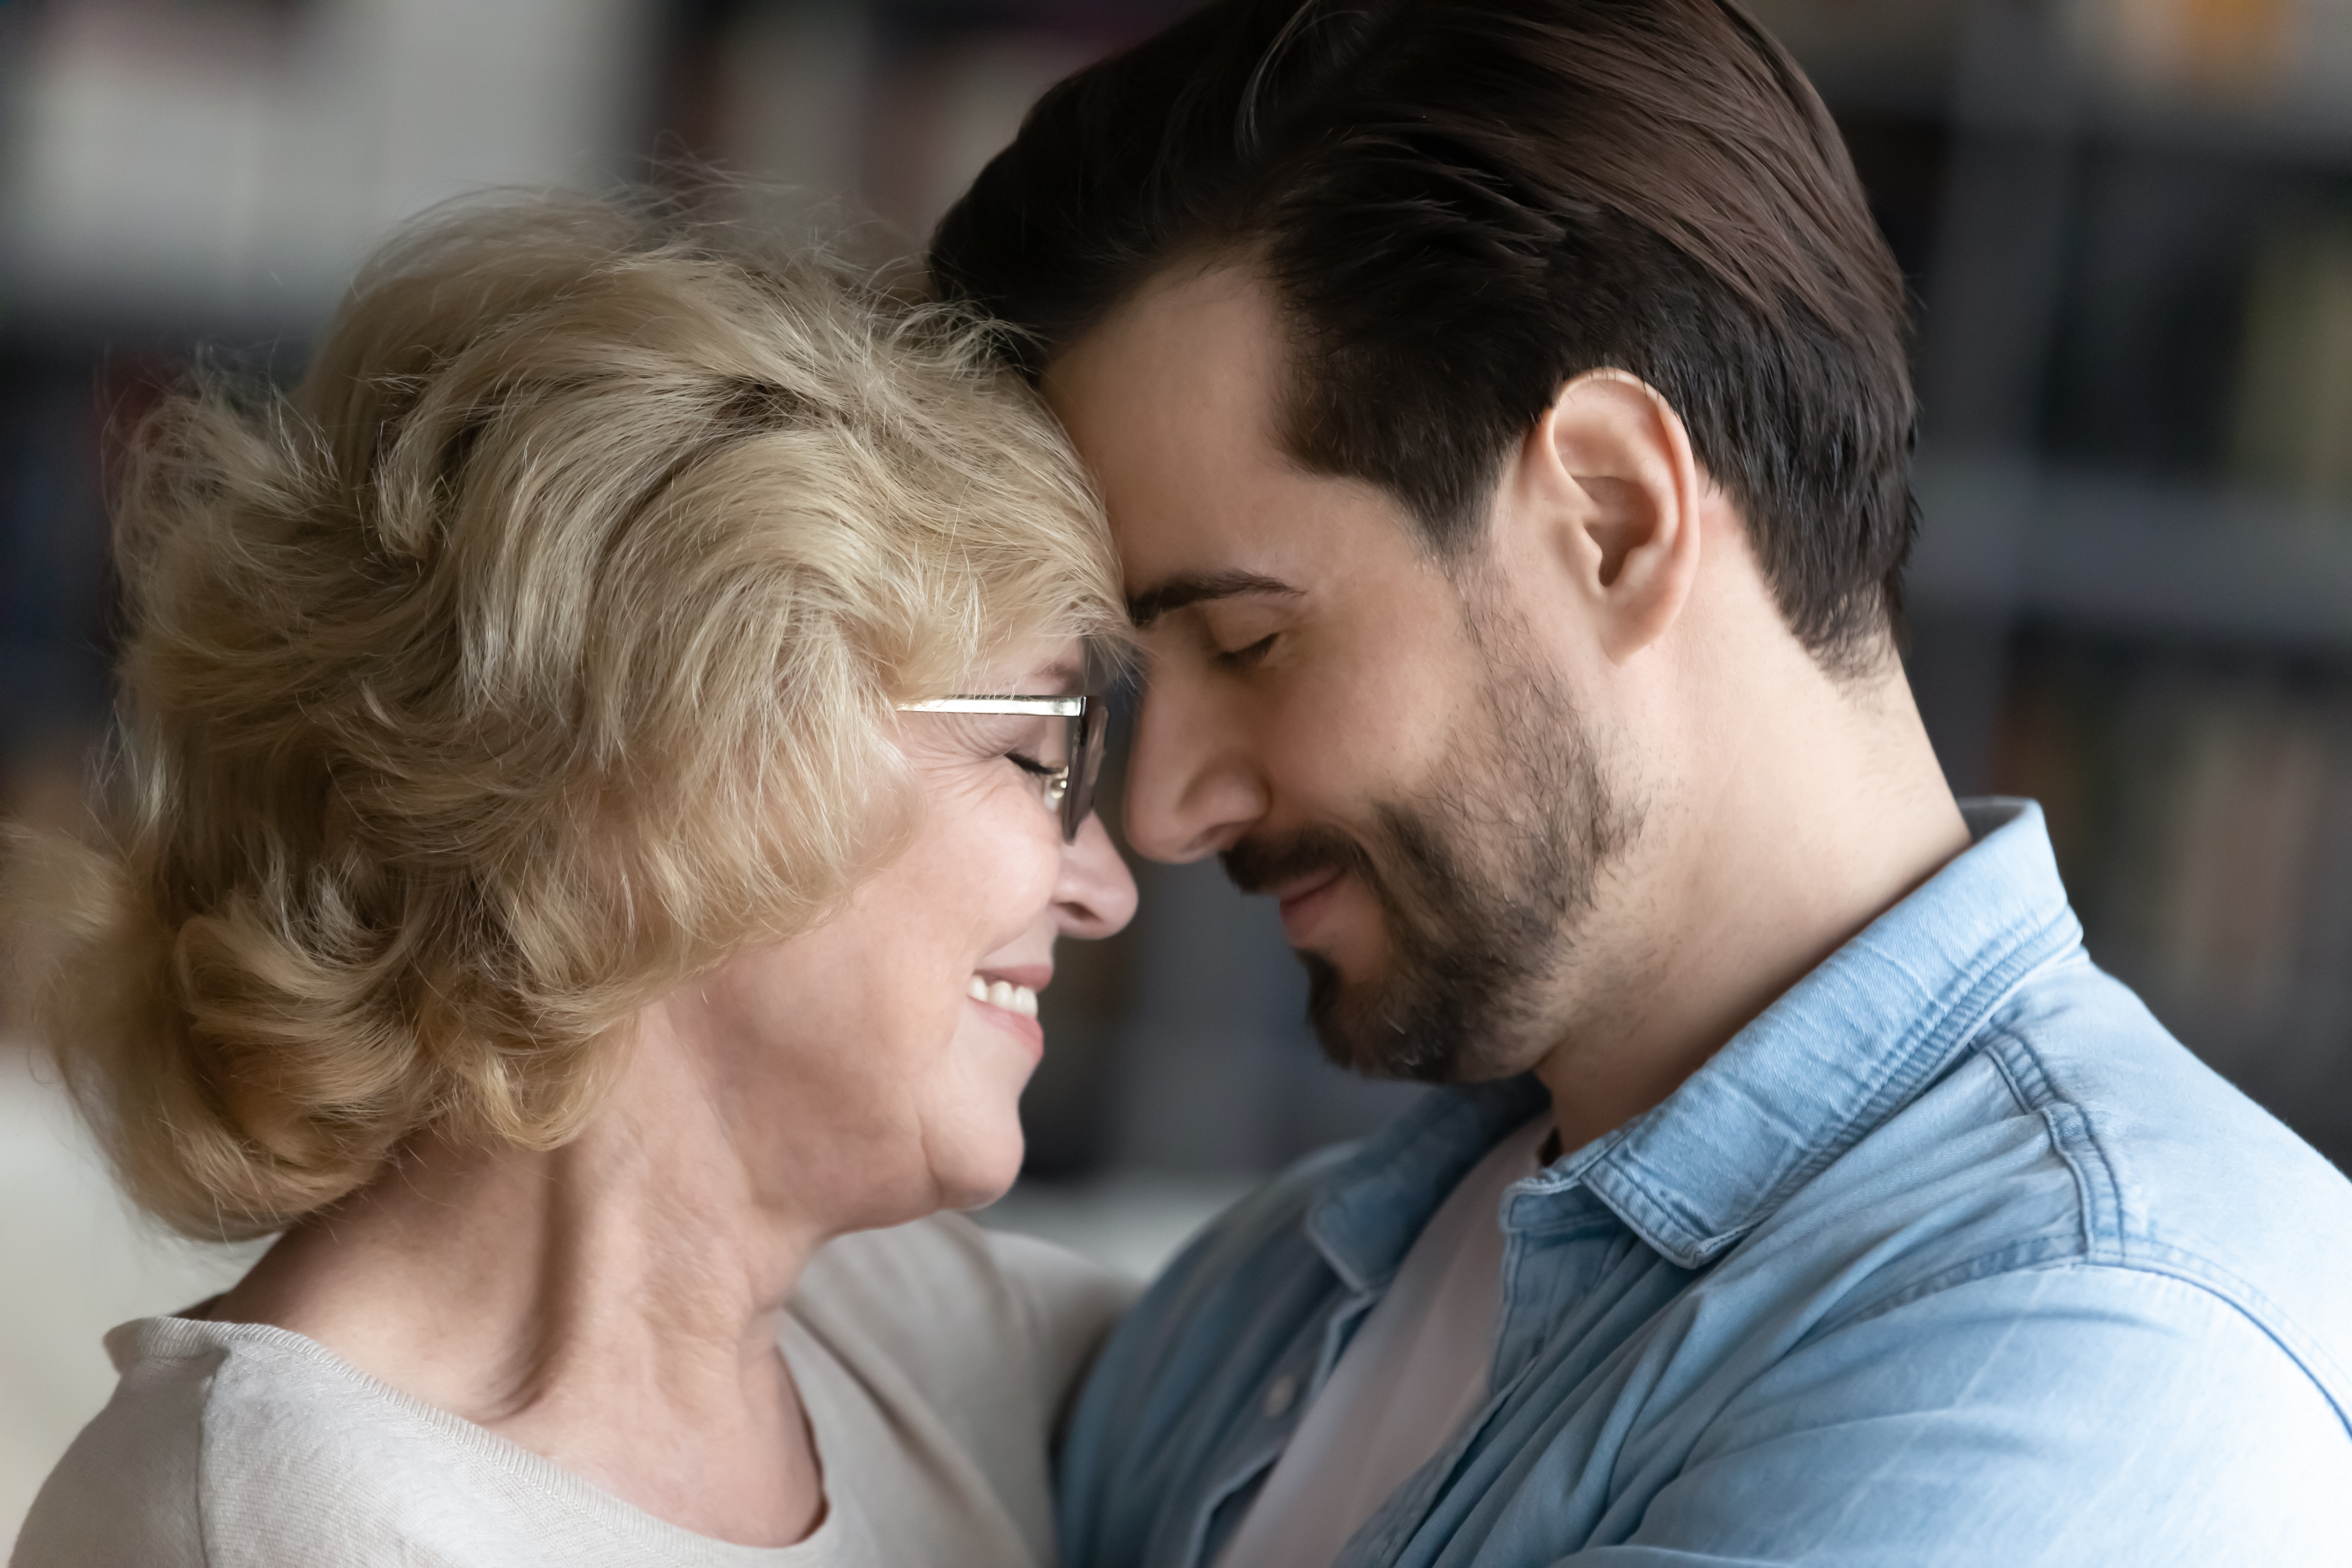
(1820, 808)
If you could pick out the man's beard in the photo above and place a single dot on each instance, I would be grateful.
(1485, 878)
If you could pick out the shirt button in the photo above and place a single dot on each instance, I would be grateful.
(1278, 1396)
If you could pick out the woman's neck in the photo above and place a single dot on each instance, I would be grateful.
(613, 1305)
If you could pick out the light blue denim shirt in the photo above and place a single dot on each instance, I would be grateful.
(1954, 1256)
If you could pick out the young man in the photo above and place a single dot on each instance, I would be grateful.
(1501, 406)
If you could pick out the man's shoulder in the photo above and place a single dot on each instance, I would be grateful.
(2179, 1173)
(2193, 1160)
(2078, 1131)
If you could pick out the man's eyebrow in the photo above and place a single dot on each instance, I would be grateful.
(1193, 589)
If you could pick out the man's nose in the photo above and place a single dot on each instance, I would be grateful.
(1095, 897)
(1193, 785)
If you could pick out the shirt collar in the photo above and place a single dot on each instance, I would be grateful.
(1380, 1197)
(1832, 1059)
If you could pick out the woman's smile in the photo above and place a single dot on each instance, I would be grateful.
(1008, 999)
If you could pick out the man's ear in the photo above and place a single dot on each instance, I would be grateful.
(1608, 483)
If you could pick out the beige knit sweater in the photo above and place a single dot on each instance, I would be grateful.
(933, 1360)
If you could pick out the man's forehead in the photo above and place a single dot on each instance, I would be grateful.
(1168, 400)
(1172, 401)
(1186, 358)
(1187, 313)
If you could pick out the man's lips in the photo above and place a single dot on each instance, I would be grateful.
(1303, 900)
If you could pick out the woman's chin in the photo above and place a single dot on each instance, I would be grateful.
(985, 1177)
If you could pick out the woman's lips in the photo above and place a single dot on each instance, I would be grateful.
(1011, 1003)
(1303, 904)
(1028, 1031)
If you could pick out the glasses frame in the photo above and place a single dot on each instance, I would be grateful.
(1070, 788)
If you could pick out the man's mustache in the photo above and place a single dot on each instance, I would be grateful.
(1263, 863)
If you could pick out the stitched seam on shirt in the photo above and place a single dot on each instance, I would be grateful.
(1963, 1016)
(2094, 1188)
(2244, 1298)
(2076, 1142)
(2006, 1050)
(2188, 1267)
(203, 1461)
(2017, 1258)
(1658, 1226)
(1196, 1539)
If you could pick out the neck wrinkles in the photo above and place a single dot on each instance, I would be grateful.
(613, 1305)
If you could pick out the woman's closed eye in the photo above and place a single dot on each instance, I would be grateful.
(1249, 656)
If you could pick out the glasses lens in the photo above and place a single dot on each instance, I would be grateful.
(1087, 730)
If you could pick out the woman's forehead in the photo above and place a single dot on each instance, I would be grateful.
(1054, 669)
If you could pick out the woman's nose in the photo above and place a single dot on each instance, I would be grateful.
(1096, 895)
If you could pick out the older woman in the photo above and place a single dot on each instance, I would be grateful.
(605, 767)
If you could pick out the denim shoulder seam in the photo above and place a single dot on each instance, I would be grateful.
(2072, 1138)
(2159, 1262)
(1964, 1013)
(1960, 1017)
(2016, 1257)
(2248, 1301)
(2004, 1047)
(2094, 1180)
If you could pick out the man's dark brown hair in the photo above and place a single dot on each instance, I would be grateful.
(1465, 204)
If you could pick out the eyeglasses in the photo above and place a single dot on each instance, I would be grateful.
(1068, 774)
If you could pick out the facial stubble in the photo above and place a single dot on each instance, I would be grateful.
(1486, 877)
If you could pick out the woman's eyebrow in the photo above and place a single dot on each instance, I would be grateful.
(1193, 588)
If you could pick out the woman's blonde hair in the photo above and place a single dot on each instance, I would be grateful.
(533, 654)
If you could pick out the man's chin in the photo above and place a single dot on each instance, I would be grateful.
(1361, 1028)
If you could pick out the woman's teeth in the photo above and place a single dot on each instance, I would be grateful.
(1005, 994)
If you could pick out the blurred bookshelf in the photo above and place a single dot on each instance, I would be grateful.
(2129, 227)
(2128, 554)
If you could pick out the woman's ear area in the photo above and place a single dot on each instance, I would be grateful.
(1606, 489)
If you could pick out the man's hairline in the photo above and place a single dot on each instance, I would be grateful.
(1190, 263)
(1852, 665)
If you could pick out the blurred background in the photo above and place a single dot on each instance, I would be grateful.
(2127, 226)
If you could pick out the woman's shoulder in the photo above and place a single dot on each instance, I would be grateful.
(936, 1359)
(126, 1490)
(946, 1290)
(240, 1443)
